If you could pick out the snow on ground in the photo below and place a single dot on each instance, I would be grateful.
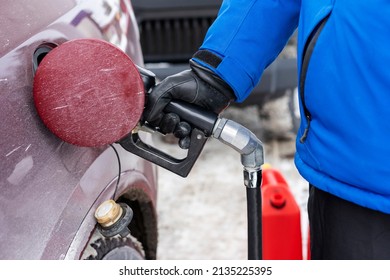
(203, 216)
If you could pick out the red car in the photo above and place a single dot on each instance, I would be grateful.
(49, 190)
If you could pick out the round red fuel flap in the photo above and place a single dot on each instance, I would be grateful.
(88, 92)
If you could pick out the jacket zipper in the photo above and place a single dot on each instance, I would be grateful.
(308, 51)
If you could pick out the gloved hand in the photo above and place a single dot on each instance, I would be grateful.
(199, 86)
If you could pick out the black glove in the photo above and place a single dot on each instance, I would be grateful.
(198, 85)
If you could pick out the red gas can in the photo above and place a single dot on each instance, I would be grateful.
(282, 237)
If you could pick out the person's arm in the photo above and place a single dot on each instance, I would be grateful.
(245, 38)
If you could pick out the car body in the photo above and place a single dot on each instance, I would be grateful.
(50, 189)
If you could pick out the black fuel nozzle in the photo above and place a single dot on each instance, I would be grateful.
(202, 124)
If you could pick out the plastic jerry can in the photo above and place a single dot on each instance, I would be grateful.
(282, 237)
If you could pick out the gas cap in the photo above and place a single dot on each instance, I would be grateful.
(113, 218)
(88, 92)
(108, 213)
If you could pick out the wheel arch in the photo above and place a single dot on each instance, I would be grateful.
(137, 189)
(144, 224)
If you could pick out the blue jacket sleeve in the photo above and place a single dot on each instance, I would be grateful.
(248, 35)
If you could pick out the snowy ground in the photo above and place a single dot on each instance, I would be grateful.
(203, 216)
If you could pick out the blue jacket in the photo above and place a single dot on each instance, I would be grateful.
(344, 84)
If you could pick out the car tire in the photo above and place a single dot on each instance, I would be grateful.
(113, 248)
